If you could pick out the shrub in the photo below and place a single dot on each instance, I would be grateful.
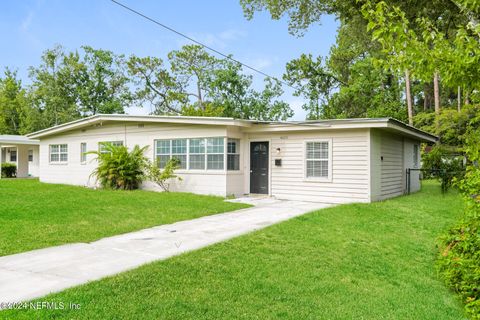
(163, 178)
(459, 259)
(118, 168)
(9, 170)
(444, 163)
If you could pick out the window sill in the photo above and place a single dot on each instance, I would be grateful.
(58, 163)
(317, 180)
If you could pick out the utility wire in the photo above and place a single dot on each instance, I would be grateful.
(201, 44)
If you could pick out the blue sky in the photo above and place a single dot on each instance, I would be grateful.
(29, 27)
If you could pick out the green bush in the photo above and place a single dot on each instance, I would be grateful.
(9, 170)
(459, 259)
(163, 177)
(444, 163)
(118, 168)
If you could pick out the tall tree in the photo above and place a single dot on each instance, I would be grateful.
(156, 85)
(193, 64)
(101, 83)
(13, 104)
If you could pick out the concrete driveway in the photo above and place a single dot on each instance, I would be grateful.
(37, 273)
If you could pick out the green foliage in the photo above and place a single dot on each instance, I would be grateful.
(118, 168)
(164, 177)
(459, 258)
(451, 125)
(14, 111)
(444, 163)
(9, 170)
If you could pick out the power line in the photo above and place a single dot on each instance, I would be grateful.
(201, 44)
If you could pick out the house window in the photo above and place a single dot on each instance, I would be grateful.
(83, 152)
(179, 151)
(197, 154)
(215, 152)
(317, 159)
(415, 155)
(13, 155)
(101, 145)
(58, 153)
(233, 154)
(30, 155)
(162, 152)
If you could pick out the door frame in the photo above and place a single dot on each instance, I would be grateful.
(249, 147)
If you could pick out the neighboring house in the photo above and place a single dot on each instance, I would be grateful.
(21, 151)
(335, 161)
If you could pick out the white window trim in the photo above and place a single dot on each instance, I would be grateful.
(330, 156)
(205, 154)
(59, 162)
(237, 152)
(114, 142)
(83, 154)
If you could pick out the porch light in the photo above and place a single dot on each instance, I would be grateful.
(278, 150)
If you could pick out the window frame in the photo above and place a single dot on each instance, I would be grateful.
(416, 155)
(204, 154)
(59, 153)
(329, 159)
(114, 142)
(236, 153)
(83, 153)
(16, 155)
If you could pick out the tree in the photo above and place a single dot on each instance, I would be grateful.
(54, 85)
(101, 83)
(193, 64)
(313, 81)
(13, 104)
(156, 85)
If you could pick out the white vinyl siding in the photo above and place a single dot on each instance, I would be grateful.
(392, 169)
(349, 181)
(58, 153)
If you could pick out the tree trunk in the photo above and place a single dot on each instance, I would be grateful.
(200, 101)
(426, 96)
(467, 98)
(436, 93)
(459, 99)
(409, 98)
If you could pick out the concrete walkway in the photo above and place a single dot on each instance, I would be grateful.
(37, 273)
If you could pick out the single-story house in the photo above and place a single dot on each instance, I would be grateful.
(334, 161)
(21, 151)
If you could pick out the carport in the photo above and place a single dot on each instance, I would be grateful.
(21, 151)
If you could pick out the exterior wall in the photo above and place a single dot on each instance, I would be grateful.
(409, 162)
(33, 166)
(350, 171)
(76, 173)
(393, 154)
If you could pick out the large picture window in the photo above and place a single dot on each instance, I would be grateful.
(58, 153)
(317, 159)
(195, 153)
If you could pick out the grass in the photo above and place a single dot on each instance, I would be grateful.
(358, 261)
(36, 215)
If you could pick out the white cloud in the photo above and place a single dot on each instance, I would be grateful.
(26, 22)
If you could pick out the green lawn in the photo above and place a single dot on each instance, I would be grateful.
(359, 261)
(36, 215)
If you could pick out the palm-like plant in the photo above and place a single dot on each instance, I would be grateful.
(118, 168)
